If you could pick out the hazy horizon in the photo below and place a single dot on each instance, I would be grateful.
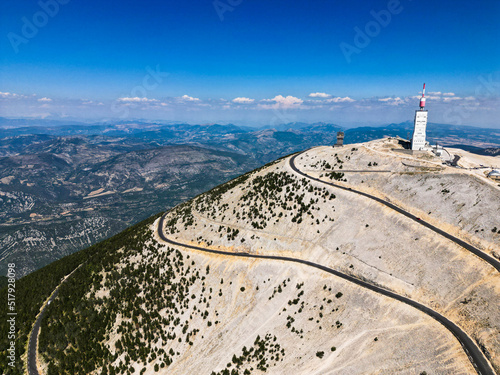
(251, 62)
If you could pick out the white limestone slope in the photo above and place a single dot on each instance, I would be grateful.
(361, 237)
(407, 342)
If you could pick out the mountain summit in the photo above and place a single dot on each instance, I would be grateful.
(361, 259)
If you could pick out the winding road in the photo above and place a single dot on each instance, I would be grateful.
(35, 331)
(32, 352)
(475, 355)
(492, 261)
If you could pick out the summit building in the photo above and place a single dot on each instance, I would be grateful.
(420, 125)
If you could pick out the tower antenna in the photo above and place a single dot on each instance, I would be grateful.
(418, 140)
(422, 99)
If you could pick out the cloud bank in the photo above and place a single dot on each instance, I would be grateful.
(445, 107)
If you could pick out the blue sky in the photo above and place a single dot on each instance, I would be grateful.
(250, 62)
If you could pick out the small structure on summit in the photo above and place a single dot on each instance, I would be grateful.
(340, 139)
(494, 175)
(418, 139)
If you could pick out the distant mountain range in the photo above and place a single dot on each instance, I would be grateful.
(445, 134)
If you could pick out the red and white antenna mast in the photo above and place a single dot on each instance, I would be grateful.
(422, 99)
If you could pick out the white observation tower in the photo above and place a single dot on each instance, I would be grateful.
(418, 139)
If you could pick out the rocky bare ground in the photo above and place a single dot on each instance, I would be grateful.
(140, 305)
(275, 211)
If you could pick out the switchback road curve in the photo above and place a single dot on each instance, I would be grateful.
(32, 352)
(35, 331)
(475, 355)
(492, 261)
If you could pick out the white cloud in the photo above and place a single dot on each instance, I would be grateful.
(137, 100)
(319, 95)
(287, 101)
(339, 99)
(392, 101)
(11, 95)
(46, 100)
(243, 100)
(284, 102)
(470, 98)
(437, 94)
(450, 98)
(189, 98)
